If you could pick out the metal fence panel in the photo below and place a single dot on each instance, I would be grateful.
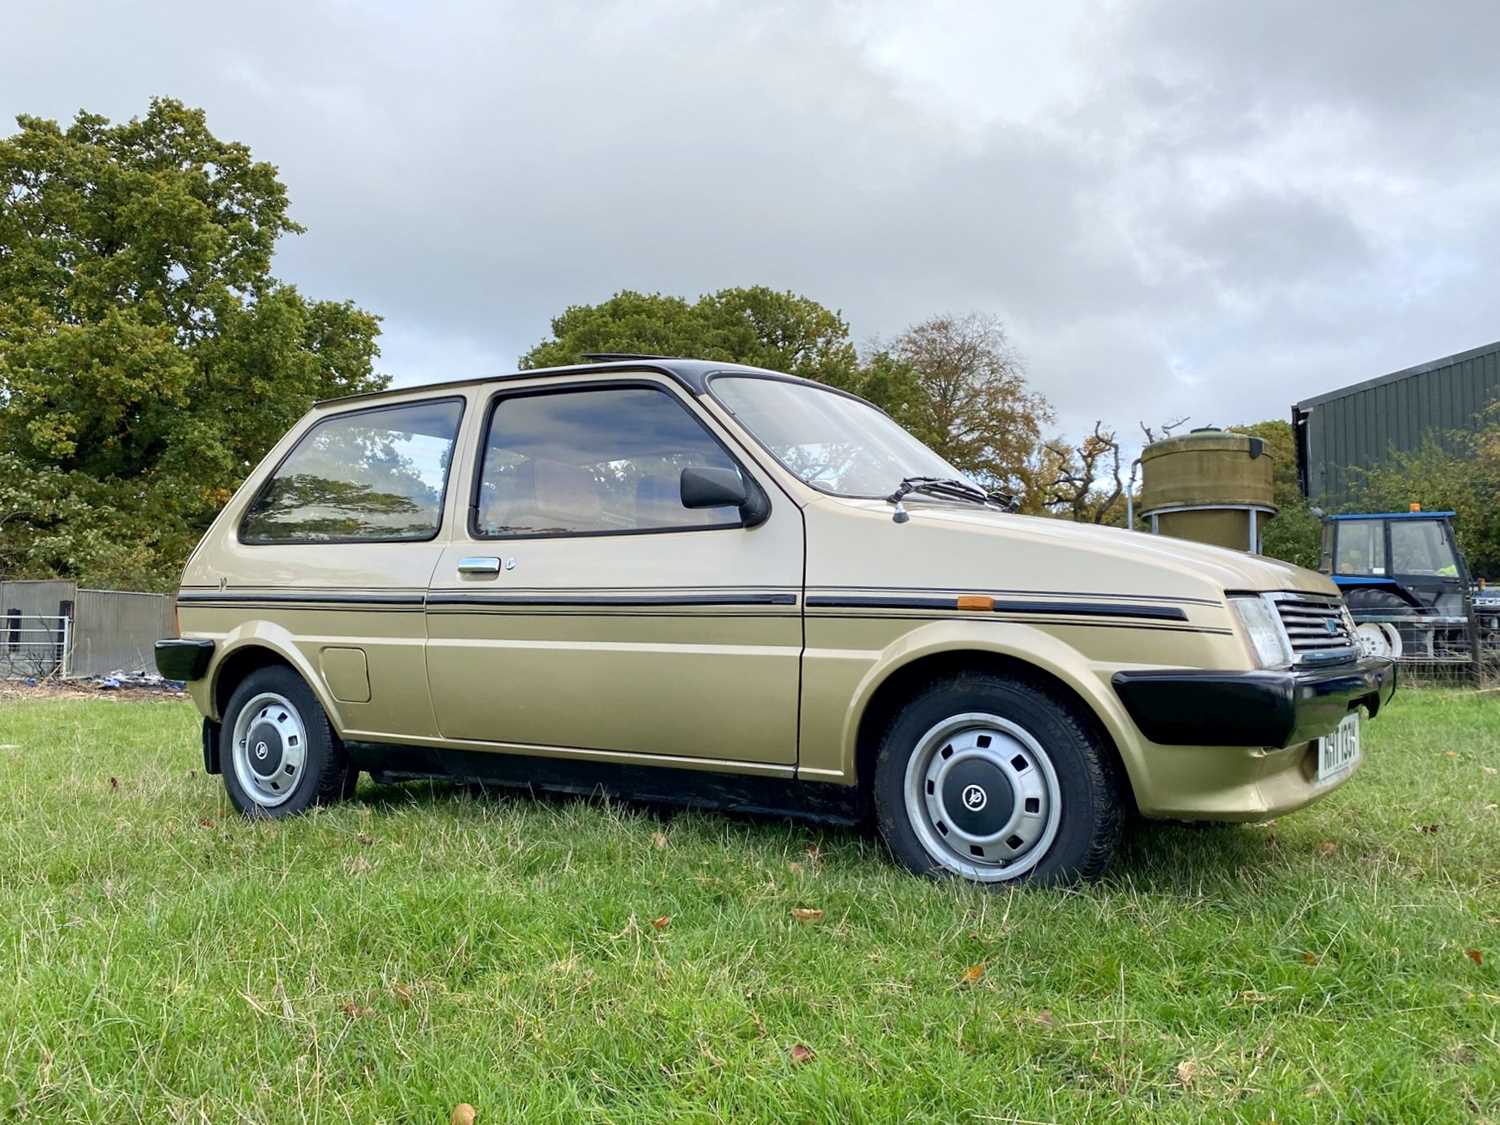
(117, 630)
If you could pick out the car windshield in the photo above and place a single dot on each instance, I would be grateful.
(833, 442)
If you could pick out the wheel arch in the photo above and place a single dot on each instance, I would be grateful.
(898, 677)
(260, 645)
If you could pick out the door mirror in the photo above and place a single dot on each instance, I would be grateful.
(724, 488)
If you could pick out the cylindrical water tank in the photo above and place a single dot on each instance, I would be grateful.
(1208, 486)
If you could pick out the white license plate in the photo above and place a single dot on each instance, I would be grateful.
(1339, 751)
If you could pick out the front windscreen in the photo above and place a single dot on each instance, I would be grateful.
(831, 441)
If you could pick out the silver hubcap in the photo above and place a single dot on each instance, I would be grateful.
(982, 797)
(269, 750)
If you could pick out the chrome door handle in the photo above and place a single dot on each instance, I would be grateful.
(479, 564)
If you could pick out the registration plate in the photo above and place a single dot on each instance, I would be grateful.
(1339, 751)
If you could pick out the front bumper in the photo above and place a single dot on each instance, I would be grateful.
(1193, 707)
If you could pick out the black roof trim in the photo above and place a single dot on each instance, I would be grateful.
(609, 357)
(1397, 376)
(690, 373)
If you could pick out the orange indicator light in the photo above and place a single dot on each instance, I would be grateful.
(975, 601)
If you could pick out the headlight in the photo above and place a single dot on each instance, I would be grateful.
(1263, 630)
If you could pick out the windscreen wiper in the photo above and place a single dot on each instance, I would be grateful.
(948, 488)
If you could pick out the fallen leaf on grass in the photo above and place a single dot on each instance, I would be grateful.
(355, 1011)
(1311, 958)
(1327, 848)
(1187, 1071)
(1428, 829)
(114, 783)
(801, 1053)
(205, 822)
(1450, 753)
(1491, 770)
(1044, 1017)
(795, 869)
(463, 1114)
(807, 914)
(403, 994)
(663, 922)
(659, 839)
(365, 838)
(1475, 955)
(972, 975)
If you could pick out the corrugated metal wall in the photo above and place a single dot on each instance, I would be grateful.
(117, 631)
(1364, 424)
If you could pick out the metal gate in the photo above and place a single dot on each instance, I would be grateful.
(35, 645)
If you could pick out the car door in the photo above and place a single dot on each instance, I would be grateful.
(585, 608)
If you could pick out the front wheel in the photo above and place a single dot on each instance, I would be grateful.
(996, 780)
(280, 755)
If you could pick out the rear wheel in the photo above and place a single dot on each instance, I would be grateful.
(996, 780)
(278, 752)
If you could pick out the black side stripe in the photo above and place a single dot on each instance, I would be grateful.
(309, 598)
(1047, 622)
(1064, 609)
(1071, 594)
(610, 600)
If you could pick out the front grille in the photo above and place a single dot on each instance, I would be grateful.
(1317, 627)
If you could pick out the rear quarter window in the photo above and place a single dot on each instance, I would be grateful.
(369, 476)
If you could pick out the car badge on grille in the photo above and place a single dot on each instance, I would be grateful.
(1332, 625)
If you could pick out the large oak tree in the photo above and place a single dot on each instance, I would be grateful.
(755, 325)
(148, 357)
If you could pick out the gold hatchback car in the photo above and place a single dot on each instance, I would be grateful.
(705, 582)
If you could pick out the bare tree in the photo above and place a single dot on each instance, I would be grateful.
(1166, 429)
(1074, 490)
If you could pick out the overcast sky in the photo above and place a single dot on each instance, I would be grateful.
(1176, 207)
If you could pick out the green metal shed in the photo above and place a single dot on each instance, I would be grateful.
(1365, 424)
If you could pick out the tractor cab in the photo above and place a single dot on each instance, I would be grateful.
(1404, 579)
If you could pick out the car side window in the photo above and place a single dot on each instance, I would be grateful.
(368, 476)
(591, 462)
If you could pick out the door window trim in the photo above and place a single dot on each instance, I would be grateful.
(502, 395)
(442, 509)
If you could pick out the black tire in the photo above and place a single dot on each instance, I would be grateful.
(1076, 770)
(323, 774)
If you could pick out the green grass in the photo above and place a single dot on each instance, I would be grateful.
(162, 959)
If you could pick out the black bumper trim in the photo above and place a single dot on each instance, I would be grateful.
(183, 659)
(1192, 707)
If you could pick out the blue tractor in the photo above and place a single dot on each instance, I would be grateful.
(1409, 589)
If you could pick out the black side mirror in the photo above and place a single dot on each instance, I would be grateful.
(725, 488)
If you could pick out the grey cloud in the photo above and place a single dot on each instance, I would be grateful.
(1204, 209)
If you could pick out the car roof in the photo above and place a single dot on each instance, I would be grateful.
(690, 373)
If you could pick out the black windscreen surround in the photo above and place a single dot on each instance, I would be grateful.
(591, 462)
(368, 476)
